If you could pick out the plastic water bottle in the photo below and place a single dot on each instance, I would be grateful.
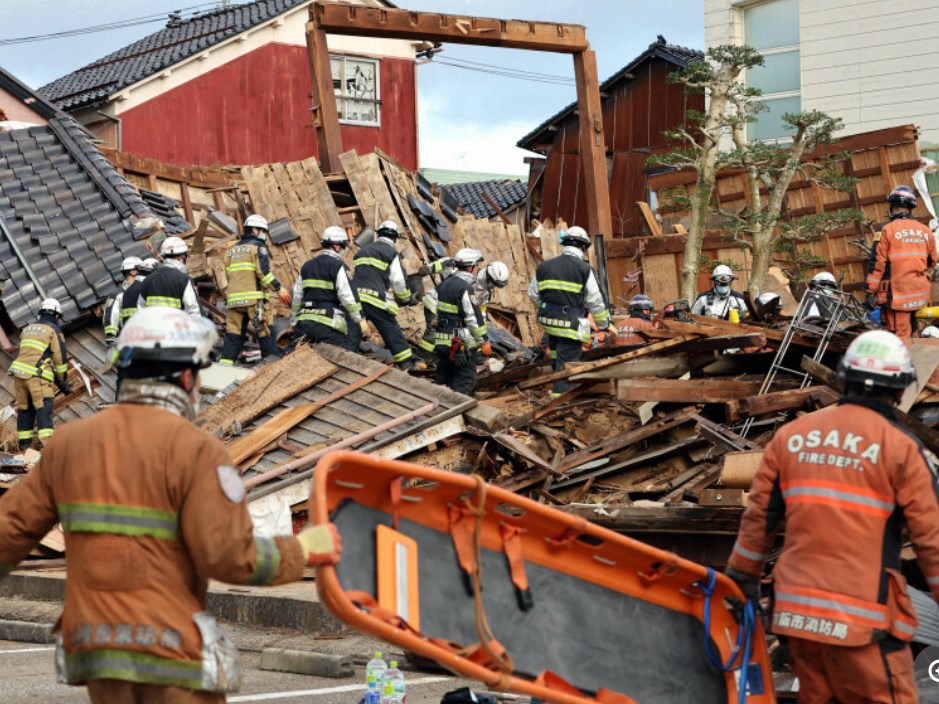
(374, 672)
(392, 685)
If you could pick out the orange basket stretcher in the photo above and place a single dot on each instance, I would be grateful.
(526, 598)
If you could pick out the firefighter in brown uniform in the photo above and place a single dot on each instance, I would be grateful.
(249, 276)
(145, 529)
(41, 363)
(848, 481)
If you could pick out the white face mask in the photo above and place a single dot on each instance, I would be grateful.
(722, 289)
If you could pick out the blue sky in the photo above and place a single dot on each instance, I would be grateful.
(468, 119)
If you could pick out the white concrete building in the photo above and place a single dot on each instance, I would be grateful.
(869, 62)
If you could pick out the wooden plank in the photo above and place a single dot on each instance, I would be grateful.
(681, 391)
(809, 398)
(325, 112)
(361, 189)
(419, 26)
(722, 435)
(516, 446)
(723, 497)
(592, 145)
(273, 384)
(572, 369)
(649, 218)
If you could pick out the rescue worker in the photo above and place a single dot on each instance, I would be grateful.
(170, 284)
(489, 278)
(323, 300)
(425, 348)
(640, 311)
(249, 274)
(378, 268)
(820, 304)
(849, 482)
(897, 267)
(461, 327)
(112, 307)
(40, 364)
(769, 307)
(145, 536)
(719, 300)
(564, 289)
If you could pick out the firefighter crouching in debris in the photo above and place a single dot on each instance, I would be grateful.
(897, 267)
(821, 305)
(461, 326)
(640, 311)
(848, 481)
(114, 306)
(42, 362)
(564, 289)
(378, 268)
(721, 301)
(144, 537)
(323, 300)
(249, 273)
(170, 284)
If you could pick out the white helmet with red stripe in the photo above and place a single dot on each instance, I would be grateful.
(877, 359)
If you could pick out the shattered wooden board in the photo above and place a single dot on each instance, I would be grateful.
(273, 384)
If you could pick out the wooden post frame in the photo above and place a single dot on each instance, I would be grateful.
(391, 23)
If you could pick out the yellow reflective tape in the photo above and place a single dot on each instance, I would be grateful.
(318, 283)
(163, 301)
(371, 261)
(34, 344)
(241, 266)
(403, 355)
(447, 307)
(558, 285)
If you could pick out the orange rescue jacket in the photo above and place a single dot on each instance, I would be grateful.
(847, 480)
(144, 531)
(905, 248)
(627, 331)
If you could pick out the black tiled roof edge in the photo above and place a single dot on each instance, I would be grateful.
(681, 56)
(69, 214)
(178, 40)
(504, 194)
(166, 209)
(35, 102)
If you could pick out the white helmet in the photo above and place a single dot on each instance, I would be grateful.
(723, 274)
(334, 234)
(130, 263)
(389, 229)
(166, 335)
(467, 257)
(576, 235)
(50, 305)
(494, 275)
(877, 359)
(148, 265)
(929, 331)
(256, 220)
(173, 247)
(824, 279)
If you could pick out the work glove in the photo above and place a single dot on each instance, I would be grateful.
(321, 544)
(413, 300)
(870, 302)
(425, 269)
(363, 326)
(749, 585)
(486, 348)
(64, 387)
(284, 296)
(612, 330)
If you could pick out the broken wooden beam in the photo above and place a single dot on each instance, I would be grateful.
(574, 369)
(684, 390)
(516, 446)
(809, 398)
(722, 435)
(714, 327)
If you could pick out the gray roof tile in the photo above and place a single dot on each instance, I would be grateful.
(469, 196)
(95, 82)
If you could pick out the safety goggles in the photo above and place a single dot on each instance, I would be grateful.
(723, 279)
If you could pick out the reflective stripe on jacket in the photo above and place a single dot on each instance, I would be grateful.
(847, 480)
(145, 531)
(457, 313)
(249, 271)
(42, 351)
(563, 290)
(903, 252)
(377, 269)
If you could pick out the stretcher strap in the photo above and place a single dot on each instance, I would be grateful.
(512, 544)
(550, 680)
(500, 659)
(569, 536)
(395, 491)
(461, 531)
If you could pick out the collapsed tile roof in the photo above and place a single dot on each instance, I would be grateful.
(69, 214)
(178, 40)
(506, 194)
(680, 56)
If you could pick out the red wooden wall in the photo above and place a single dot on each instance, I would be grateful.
(256, 110)
(635, 114)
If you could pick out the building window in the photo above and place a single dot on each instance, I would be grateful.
(772, 28)
(355, 81)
